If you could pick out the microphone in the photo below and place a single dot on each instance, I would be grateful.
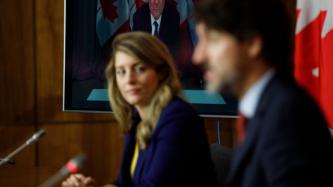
(34, 138)
(71, 167)
(8, 161)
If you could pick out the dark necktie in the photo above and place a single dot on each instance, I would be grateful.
(241, 123)
(156, 28)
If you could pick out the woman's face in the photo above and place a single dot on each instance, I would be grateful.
(136, 81)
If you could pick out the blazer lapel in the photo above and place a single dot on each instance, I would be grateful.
(143, 155)
(126, 163)
(139, 167)
(130, 142)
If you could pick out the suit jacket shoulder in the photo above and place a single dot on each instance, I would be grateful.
(141, 19)
(287, 141)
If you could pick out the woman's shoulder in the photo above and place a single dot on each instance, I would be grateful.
(178, 117)
(179, 106)
(178, 110)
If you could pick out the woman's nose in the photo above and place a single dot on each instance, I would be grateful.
(130, 77)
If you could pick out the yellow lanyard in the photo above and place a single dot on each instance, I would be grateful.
(135, 159)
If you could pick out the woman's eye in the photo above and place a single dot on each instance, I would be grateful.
(140, 69)
(120, 72)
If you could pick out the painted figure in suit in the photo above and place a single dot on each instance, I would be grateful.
(166, 143)
(160, 19)
(283, 140)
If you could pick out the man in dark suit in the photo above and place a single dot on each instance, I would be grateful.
(159, 19)
(245, 47)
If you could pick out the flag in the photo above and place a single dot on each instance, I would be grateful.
(187, 30)
(314, 52)
(133, 6)
(112, 18)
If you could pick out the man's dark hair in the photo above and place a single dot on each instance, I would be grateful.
(244, 19)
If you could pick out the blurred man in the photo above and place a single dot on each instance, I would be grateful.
(245, 47)
(159, 19)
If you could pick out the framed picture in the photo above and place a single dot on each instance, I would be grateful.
(91, 26)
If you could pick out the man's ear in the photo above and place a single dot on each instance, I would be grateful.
(254, 46)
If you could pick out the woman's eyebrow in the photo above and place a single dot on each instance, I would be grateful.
(132, 65)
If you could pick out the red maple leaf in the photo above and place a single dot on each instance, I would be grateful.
(139, 3)
(109, 10)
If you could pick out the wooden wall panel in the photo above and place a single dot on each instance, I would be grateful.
(105, 146)
(49, 49)
(17, 91)
(226, 131)
(49, 46)
(102, 143)
(17, 65)
(12, 177)
(24, 171)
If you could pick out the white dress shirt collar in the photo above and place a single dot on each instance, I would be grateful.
(248, 104)
(152, 20)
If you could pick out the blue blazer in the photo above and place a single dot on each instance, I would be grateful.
(177, 154)
(287, 142)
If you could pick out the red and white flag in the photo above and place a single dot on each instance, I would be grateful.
(111, 19)
(314, 51)
(187, 30)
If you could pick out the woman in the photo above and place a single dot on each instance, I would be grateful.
(166, 143)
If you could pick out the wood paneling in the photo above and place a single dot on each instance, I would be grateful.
(68, 133)
(13, 177)
(17, 65)
(49, 50)
(24, 170)
(102, 143)
(17, 91)
(226, 131)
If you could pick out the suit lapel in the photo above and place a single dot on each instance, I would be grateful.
(243, 153)
(147, 17)
(148, 25)
(164, 22)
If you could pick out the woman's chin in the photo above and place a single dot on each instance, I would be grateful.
(134, 101)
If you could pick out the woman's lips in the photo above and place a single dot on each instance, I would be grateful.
(133, 91)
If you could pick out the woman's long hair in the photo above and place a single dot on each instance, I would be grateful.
(151, 51)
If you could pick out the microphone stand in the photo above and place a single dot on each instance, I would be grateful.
(35, 137)
(12, 162)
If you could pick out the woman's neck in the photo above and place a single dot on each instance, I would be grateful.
(142, 110)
